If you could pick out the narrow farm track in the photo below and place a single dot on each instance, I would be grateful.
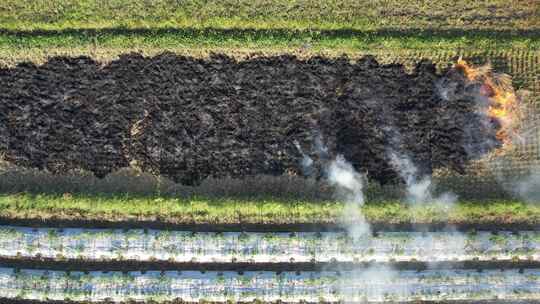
(494, 225)
(136, 265)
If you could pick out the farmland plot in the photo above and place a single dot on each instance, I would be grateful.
(190, 286)
(75, 98)
(250, 247)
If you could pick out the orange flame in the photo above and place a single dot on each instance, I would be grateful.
(503, 102)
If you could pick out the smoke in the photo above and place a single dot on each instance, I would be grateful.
(516, 168)
(506, 123)
(479, 129)
(528, 136)
(523, 184)
(348, 182)
(307, 162)
(379, 279)
(348, 185)
(528, 188)
(418, 188)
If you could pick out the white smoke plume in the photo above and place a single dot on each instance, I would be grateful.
(528, 188)
(348, 182)
(524, 185)
(307, 161)
(420, 191)
(380, 279)
(519, 121)
(419, 188)
(349, 186)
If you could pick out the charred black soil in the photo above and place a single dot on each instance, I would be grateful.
(187, 118)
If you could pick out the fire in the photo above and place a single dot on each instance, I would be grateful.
(503, 102)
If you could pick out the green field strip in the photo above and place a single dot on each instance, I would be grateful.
(346, 40)
(49, 208)
(57, 14)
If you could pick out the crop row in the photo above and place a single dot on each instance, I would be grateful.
(224, 247)
(370, 285)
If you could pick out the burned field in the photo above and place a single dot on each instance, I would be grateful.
(188, 119)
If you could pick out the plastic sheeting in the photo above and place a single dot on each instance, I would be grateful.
(184, 246)
(370, 285)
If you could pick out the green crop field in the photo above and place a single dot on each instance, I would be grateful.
(263, 199)
(495, 15)
(33, 30)
(200, 210)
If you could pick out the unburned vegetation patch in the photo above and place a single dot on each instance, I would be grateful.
(187, 118)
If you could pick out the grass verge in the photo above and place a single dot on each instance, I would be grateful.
(255, 211)
(106, 46)
(277, 38)
(31, 30)
(322, 14)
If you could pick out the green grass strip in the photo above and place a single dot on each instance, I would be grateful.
(34, 29)
(232, 211)
(291, 14)
(345, 40)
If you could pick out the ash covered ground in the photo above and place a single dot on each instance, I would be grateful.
(188, 118)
